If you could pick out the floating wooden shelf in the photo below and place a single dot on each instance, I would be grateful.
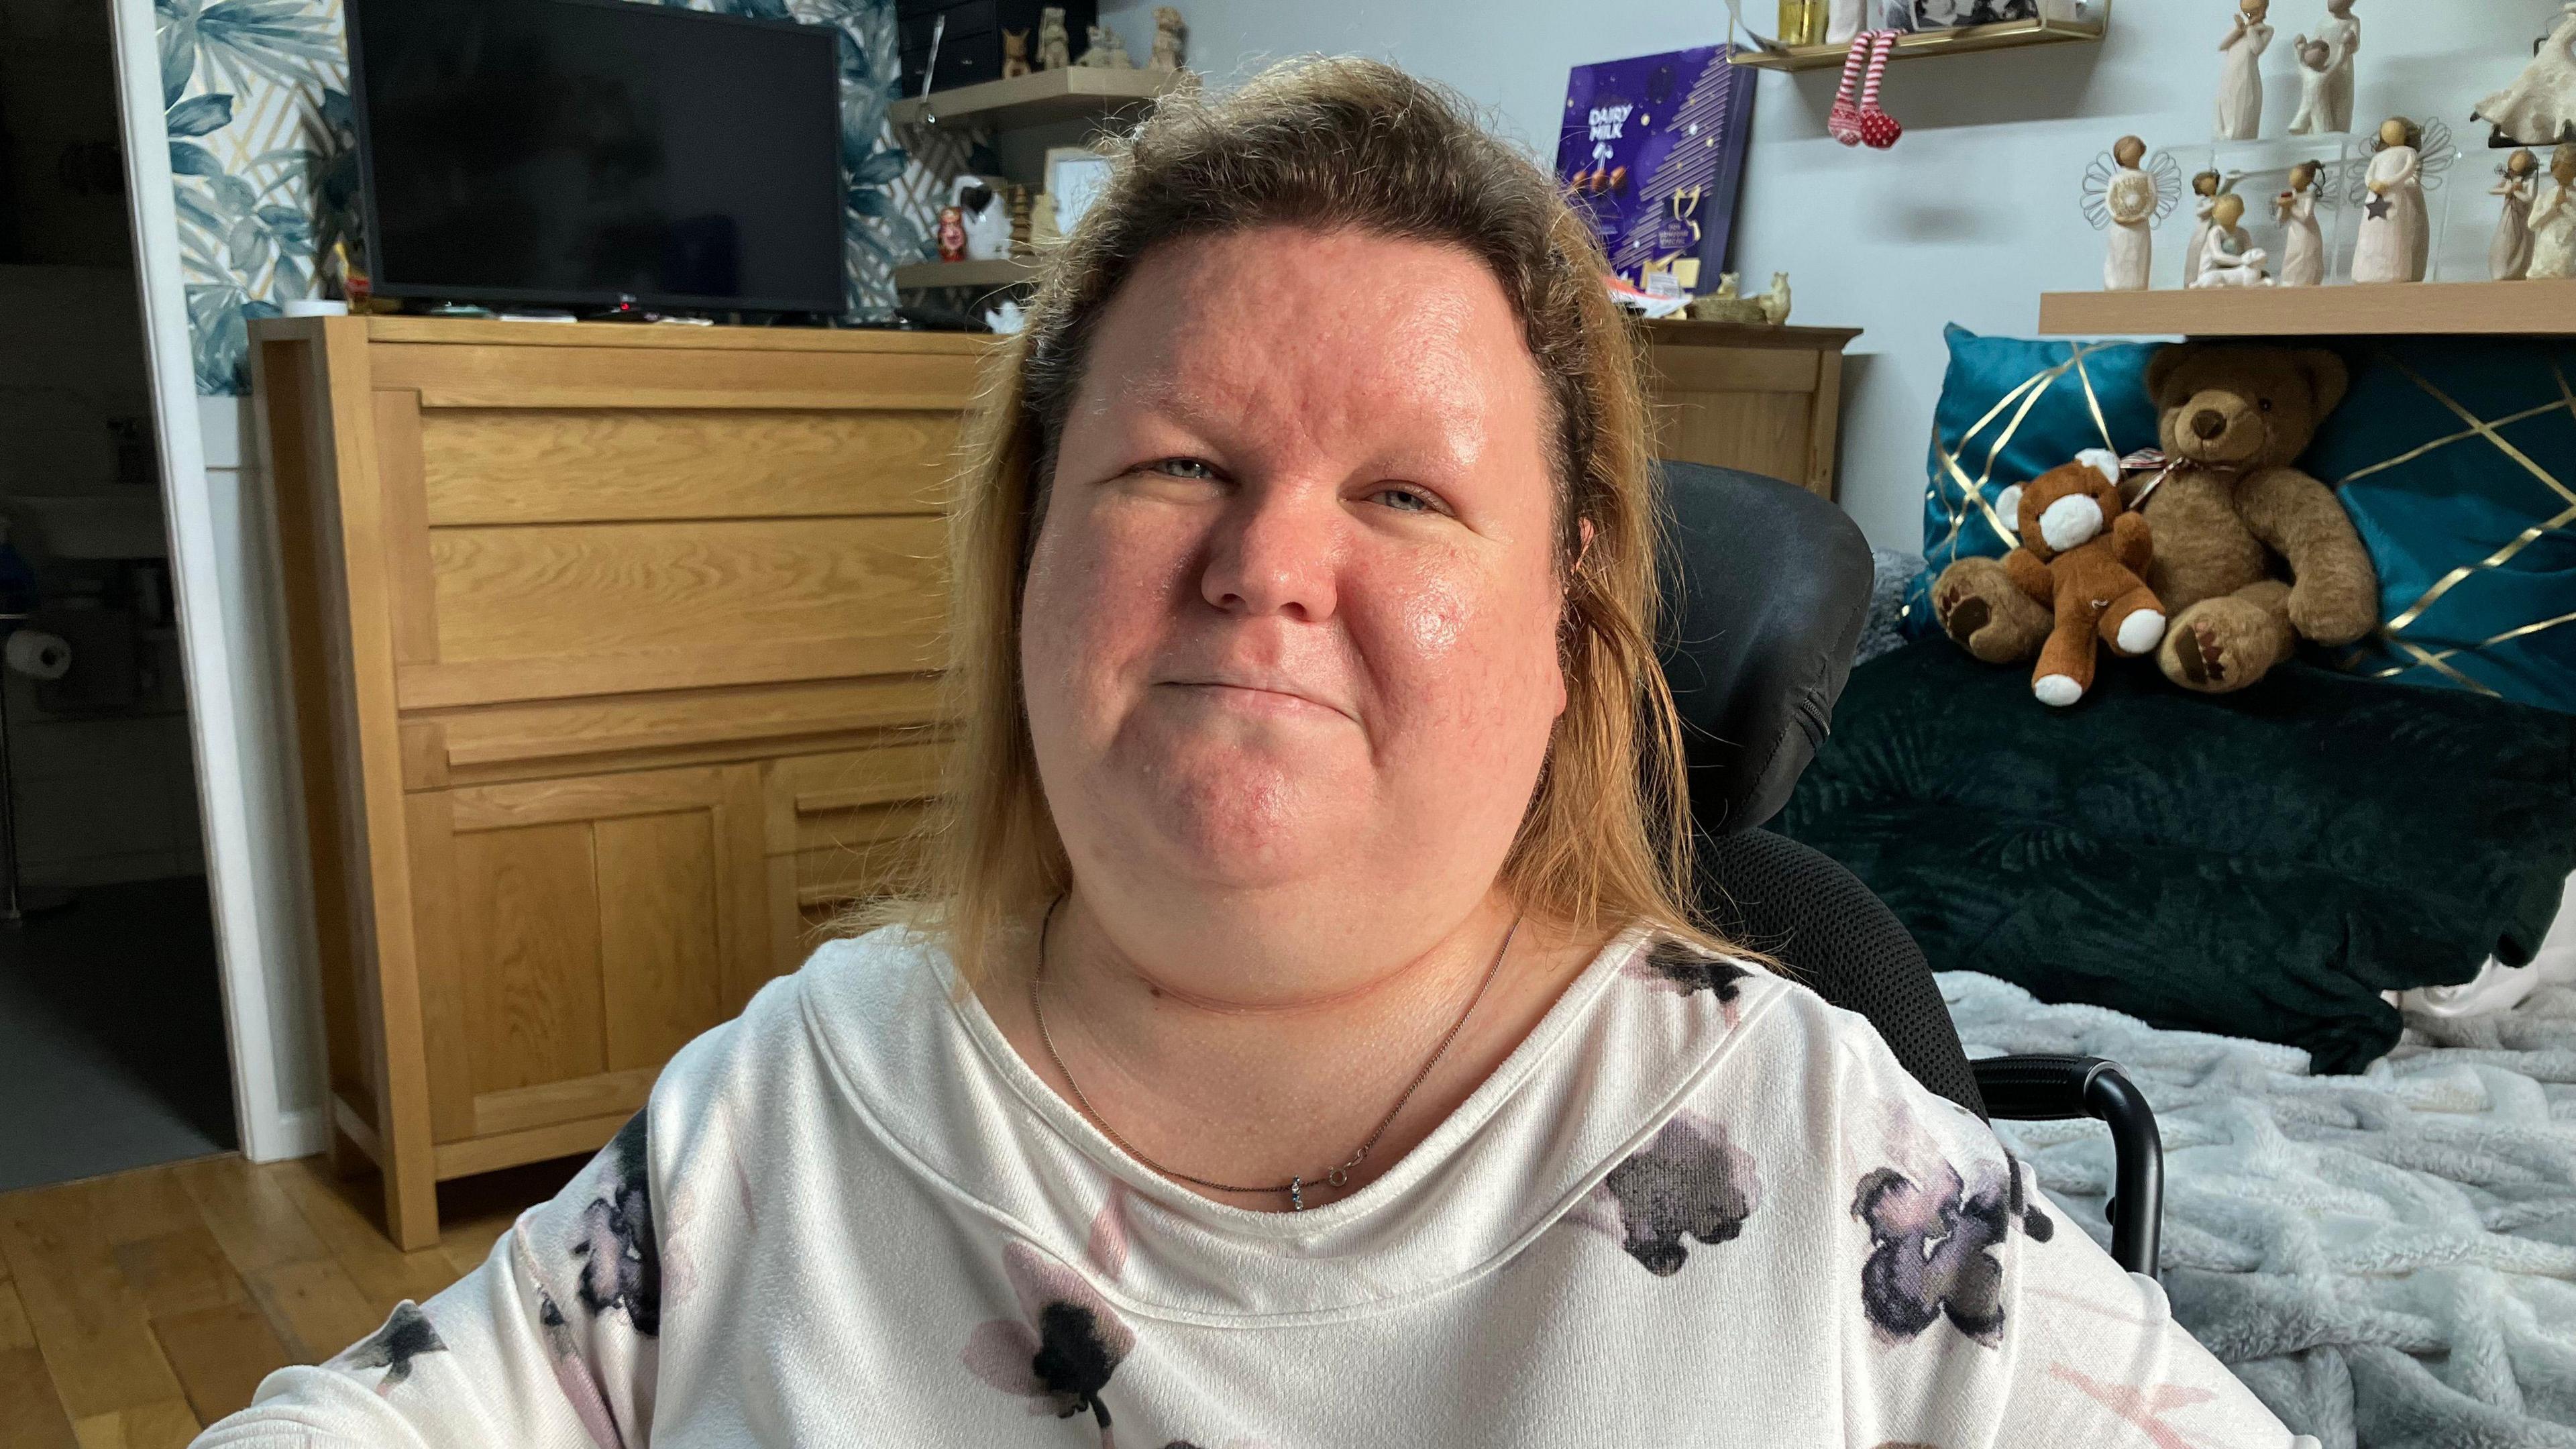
(2485, 309)
(1065, 94)
(1689, 332)
(1962, 41)
(966, 274)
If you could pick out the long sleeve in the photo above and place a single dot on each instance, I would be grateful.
(552, 1343)
(1986, 1316)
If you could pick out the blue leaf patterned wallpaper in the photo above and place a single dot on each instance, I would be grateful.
(264, 166)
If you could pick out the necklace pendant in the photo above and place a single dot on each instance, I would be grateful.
(1296, 1194)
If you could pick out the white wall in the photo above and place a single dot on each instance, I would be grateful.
(1973, 215)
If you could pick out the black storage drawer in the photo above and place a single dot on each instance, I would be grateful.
(970, 50)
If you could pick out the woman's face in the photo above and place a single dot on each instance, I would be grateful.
(1291, 618)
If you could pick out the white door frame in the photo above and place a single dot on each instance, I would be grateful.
(240, 754)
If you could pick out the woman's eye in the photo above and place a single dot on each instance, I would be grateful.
(1407, 500)
(1181, 468)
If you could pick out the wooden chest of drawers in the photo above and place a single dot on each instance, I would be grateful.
(613, 658)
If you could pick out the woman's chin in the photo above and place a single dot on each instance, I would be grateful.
(1242, 818)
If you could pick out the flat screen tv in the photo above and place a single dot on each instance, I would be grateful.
(576, 152)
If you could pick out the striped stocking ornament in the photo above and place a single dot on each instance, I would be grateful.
(1878, 129)
(1843, 123)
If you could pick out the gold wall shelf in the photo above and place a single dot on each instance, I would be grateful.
(1965, 40)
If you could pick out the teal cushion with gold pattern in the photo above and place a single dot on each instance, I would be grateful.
(2010, 410)
(2457, 461)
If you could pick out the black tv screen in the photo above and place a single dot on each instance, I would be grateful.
(596, 151)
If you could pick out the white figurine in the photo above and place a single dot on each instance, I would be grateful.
(1107, 51)
(2509, 255)
(1055, 49)
(2240, 79)
(2342, 34)
(1843, 21)
(2229, 258)
(1168, 31)
(2207, 187)
(2539, 108)
(2303, 252)
(2316, 85)
(2394, 233)
(2121, 196)
(987, 216)
(2553, 221)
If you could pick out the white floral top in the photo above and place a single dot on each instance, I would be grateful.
(1696, 1206)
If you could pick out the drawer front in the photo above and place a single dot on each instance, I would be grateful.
(493, 466)
(570, 522)
(551, 610)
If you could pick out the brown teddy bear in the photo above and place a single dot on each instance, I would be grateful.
(2081, 555)
(2251, 555)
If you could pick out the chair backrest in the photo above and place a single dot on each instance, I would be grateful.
(1766, 587)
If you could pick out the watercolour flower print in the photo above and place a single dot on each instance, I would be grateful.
(407, 1335)
(1671, 966)
(1932, 1249)
(1062, 1350)
(1690, 1182)
(621, 1266)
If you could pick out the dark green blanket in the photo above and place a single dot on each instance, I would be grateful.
(2259, 865)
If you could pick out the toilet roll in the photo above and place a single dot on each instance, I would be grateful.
(38, 655)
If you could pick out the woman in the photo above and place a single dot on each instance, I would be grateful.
(1306, 1043)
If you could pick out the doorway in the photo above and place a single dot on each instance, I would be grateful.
(112, 1038)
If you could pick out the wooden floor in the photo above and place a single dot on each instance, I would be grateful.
(137, 1308)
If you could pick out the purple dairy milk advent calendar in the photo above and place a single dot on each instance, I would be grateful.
(1653, 152)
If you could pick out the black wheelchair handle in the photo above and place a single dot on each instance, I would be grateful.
(2061, 1088)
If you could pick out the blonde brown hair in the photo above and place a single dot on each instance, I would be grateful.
(1333, 145)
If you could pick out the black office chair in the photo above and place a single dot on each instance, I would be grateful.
(1766, 587)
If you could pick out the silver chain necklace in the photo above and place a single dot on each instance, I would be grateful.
(1294, 1189)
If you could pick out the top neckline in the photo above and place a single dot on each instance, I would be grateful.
(927, 1071)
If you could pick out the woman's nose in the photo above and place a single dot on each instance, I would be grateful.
(1274, 552)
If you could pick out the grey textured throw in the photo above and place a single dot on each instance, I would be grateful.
(2387, 1259)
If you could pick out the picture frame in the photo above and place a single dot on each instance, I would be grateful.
(1075, 177)
(1952, 14)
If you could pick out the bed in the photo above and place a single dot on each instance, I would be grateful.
(2348, 988)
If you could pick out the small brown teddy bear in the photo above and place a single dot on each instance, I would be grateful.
(2251, 555)
(2081, 556)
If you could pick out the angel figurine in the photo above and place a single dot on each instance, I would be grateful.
(2240, 79)
(2539, 108)
(2553, 221)
(2130, 201)
(2509, 255)
(2303, 252)
(2229, 258)
(2396, 235)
